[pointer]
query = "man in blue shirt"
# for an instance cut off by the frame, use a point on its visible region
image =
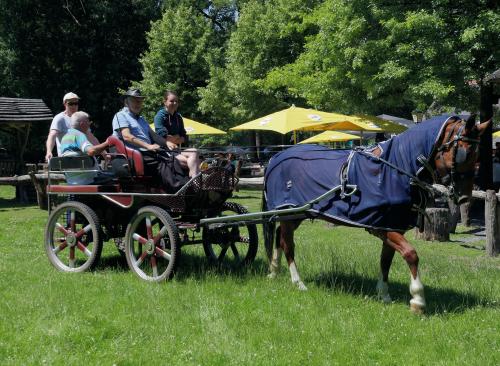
(130, 126)
(76, 143)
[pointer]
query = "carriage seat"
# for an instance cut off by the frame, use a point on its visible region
(134, 157)
(79, 170)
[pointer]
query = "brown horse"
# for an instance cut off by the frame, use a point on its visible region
(450, 162)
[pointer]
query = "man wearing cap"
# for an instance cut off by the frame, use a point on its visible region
(61, 123)
(130, 126)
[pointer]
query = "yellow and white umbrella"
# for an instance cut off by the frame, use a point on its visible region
(290, 119)
(197, 128)
(330, 136)
(496, 134)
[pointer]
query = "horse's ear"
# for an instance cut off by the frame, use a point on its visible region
(471, 122)
(483, 126)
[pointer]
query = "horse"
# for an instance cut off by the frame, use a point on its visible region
(383, 189)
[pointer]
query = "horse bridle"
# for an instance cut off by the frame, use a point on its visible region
(459, 156)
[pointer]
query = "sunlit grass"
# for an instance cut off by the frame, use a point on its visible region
(208, 316)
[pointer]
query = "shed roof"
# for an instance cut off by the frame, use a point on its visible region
(21, 111)
(494, 77)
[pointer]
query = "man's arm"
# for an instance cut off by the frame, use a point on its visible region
(90, 136)
(96, 149)
(51, 140)
(131, 139)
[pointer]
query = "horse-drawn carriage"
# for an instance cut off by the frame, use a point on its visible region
(148, 225)
(380, 189)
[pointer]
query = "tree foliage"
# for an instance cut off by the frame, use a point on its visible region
(379, 56)
(89, 47)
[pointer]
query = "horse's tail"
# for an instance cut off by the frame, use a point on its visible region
(268, 228)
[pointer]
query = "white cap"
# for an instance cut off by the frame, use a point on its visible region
(70, 95)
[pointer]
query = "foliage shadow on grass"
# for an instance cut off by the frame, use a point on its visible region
(439, 300)
(7, 205)
(198, 267)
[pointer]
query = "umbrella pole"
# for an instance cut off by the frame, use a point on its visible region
(295, 137)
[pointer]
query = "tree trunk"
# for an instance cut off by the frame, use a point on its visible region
(437, 228)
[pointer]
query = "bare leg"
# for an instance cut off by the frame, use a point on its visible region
(399, 243)
(288, 246)
(189, 158)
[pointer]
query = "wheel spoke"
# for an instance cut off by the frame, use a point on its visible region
(85, 230)
(72, 257)
(154, 266)
(139, 238)
(72, 223)
(160, 235)
(162, 253)
(61, 228)
(149, 228)
(84, 249)
(60, 247)
(141, 258)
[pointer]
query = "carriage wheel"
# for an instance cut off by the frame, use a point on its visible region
(232, 244)
(72, 237)
(152, 244)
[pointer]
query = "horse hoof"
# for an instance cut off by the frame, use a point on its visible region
(386, 299)
(271, 275)
(416, 308)
(301, 286)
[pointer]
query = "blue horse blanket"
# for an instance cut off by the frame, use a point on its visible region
(385, 198)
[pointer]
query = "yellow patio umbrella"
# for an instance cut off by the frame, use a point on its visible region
(290, 119)
(353, 124)
(330, 136)
(496, 134)
(385, 125)
(196, 128)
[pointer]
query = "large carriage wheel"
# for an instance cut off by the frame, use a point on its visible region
(152, 244)
(72, 237)
(237, 244)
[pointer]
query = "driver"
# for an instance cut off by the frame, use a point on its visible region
(159, 160)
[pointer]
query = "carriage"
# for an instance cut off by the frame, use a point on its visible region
(380, 189)
(148, 225)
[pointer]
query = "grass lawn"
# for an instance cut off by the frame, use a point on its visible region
(206, 316)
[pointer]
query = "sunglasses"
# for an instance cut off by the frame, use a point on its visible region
(72, 103)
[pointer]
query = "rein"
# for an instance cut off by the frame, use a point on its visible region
(459, 156)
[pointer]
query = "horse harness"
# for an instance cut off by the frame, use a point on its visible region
(426, 191)
(459, 156)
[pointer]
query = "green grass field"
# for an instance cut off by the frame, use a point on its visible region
(206, 316)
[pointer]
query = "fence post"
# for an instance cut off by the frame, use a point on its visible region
(492, 223)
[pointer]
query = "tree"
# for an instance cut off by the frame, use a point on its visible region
(89, 47)
(268, 34)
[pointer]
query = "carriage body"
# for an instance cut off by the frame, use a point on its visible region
(148, 225)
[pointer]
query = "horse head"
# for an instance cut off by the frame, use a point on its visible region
(457, 154)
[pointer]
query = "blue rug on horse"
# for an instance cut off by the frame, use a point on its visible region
(385, 197)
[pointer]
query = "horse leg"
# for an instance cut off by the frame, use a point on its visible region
(386, 257)
(399, 243)
(274, 264)
(288, 246)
